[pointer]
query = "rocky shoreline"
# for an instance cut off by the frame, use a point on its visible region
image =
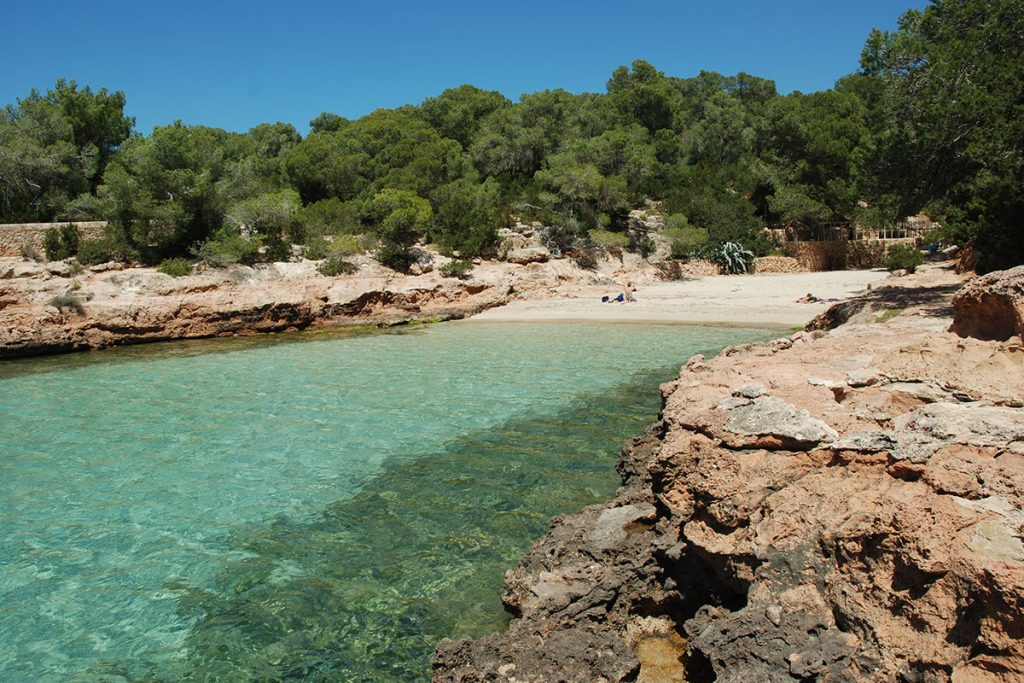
(832, 506)
(44, 308)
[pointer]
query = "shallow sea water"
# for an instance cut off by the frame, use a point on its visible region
(307, 507)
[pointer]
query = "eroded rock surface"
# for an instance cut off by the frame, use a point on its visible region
(837, 507)
(49, 308)
(991, 306)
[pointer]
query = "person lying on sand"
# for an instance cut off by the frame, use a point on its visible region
(811, 299)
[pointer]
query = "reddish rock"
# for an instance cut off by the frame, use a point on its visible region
(842, 507)
(991, 306)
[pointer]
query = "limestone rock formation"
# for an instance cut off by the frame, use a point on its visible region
(832, 507)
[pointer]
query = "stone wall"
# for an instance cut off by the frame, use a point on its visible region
(841, 254)
(14, 236)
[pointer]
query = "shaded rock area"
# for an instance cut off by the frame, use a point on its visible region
(824, 507)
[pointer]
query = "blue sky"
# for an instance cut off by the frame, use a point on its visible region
(236, 64)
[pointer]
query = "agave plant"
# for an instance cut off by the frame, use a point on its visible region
(732, 258)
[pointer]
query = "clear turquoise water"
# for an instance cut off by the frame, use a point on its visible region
(317, 507)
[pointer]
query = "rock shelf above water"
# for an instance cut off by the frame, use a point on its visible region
(840, 506)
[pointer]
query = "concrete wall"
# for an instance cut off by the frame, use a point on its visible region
(841, 254)
(13, 236)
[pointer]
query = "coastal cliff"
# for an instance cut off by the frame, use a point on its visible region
(840, 505)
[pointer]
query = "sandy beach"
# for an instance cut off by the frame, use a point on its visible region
(767, 300)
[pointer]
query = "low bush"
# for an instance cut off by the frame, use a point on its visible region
(104, 249)
(606, 239)
(903, 257)
(226, 248)
(457, 269)
(395, 257)
(61, 243)
(67, 301)
(317, 248)
(685, 237)
(175, 267)
(336, 265)
(28, 252)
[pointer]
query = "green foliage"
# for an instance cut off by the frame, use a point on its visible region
(685, 237)
(457, 269)
(387, 149)
(326, 217)
(28, 252)
(954, 127)
(52, 246)
(227, 247)
(336, 265)
(61, 242)
(456, 113)
(606, 239)
(105, 249)
(578, 192)
(395, 257)
(323, 247)
(933, 119)
(175, 267)
(55, 147)
(732, 258)
(644, 95)
(399, 215)
(466, 216)
(903, 257)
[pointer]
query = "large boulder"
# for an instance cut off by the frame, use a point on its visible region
(991, 306)
(528, 255)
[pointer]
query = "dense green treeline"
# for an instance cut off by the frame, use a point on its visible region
(932, 121)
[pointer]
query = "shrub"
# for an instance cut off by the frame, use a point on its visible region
(395, 257)
(70, 239)
(60, 243)
(225, 248)
(458, 269)
(108, 248)
(67, 301)
(325, 247)
(175, 267)
(903, 257)
(317, 248)
(326, 217)
(28, 252)
(336, 265)
(732, 258)
(685, 237)
(606, 239)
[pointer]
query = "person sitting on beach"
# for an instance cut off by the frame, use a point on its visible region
(626, 295)
(630, 291)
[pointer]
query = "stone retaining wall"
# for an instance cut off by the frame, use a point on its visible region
(14, 236)
(841, 254)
